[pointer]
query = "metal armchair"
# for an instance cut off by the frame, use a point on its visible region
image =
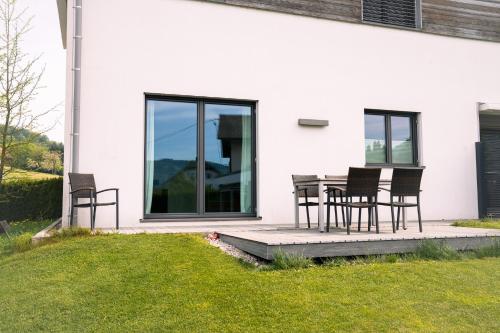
(405, 183)
(307, 192)
(362, 183)
(83, 187)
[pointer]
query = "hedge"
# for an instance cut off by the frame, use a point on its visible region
(31, 199)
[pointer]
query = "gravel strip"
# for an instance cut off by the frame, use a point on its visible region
(214, 240)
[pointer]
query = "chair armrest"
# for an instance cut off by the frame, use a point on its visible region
(82, 189)
(335, 188)
(106, 190)
(384, 189)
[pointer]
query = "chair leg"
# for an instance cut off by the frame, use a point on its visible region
(91, 217)
(335, 208)
(308, 218)
(370, 218)
(72, 212)
(359, 215)
(399, 214)
(350, 212)
(342, 209)
(95, 211)
(328, 212)
(349, 216)
(377, 226)
(419, 214)
(392, 219)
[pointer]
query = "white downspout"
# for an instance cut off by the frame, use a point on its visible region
(75, 90)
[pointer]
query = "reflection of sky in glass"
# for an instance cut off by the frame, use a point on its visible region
(400, 127)
(175, 130)
(374, 127)
(213, 149)
(402, 150)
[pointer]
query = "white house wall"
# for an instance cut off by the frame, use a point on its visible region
(296, 67)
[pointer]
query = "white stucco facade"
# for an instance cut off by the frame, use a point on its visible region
(295, 67)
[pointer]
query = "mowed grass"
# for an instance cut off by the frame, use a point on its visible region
(486, 223)
(18, 174)
(178, 283)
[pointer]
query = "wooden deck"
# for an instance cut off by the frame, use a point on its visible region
(313, 244)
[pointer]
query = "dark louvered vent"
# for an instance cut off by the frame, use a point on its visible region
(402, 13)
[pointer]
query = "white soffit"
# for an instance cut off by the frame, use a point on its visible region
(62, 7)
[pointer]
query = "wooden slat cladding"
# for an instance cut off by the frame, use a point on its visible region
(342, 10)
(476, 19)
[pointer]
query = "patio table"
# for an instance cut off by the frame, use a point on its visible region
(340, 181)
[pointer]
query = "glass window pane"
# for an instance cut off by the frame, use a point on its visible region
(171, 153)
(375, 145)
(402, 145)
(228, 158)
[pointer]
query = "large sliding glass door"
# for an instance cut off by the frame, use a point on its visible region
(199, 158)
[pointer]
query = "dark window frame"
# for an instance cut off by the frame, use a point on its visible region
(201, 214)
(388, 137)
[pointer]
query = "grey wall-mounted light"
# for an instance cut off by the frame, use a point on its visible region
(313, 122)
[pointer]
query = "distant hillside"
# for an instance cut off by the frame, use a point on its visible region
(167, 168)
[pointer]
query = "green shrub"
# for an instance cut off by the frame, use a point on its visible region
(284, 260)
(22, 242)
(31, 199)
(434, 250)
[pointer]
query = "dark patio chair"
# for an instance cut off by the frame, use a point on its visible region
(405, 183)
(334, 193)
(83, 187)
(361, 183)
(307, 192)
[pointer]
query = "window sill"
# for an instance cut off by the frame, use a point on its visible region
(200, 219)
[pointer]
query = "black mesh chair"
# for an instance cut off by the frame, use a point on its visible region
(307, 192)
(405, 183)
(361, 183)
(83, 187)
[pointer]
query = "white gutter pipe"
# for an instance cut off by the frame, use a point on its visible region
(75, 87)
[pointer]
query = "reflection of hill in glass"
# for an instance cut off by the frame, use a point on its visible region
(402, 152)
(174, 189)
(375, 152)
(168, 171)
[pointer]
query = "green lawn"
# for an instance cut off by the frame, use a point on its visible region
(18, 174)
(20, 227)
(178, 283)
(487, 224)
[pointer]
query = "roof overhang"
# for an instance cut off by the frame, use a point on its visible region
(62, 7)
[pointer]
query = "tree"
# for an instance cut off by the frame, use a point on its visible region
(20, 78)
(51, 162)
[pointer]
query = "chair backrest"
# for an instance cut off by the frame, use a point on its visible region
(79, 181)
(312, 190)
(363, 182)
(406, 181)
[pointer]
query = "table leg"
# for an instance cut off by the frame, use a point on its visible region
(404, 215)
(321, 200)
(296, 199)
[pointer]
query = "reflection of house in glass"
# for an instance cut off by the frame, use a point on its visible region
(223, 189)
